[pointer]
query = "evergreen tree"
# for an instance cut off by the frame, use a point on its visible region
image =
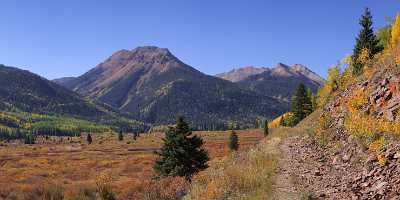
(135, 135)
(29, 138)
(301, 105)
(233, 141)
(120, 136)
(89, 139)
(182, 154)
(266, 131)
(366, 40)
(311, 99)
(314, 102)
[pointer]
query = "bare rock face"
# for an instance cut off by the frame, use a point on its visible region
(386, 97)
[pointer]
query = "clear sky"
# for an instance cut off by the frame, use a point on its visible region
(57, 38)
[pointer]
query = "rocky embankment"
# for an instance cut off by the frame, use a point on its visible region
(340, 165)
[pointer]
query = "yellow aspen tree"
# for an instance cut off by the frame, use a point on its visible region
(395, 39)
(395, 34)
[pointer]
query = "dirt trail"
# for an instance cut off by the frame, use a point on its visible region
(284, 188)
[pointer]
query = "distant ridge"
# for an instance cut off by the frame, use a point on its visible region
(279, 81)
(239, 74)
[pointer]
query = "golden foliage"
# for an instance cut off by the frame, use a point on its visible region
(382, 159)
(331, 85)
(357, 100)
(376, 146)
(276, 122)
(363, 57)
(347, 60)
(395, 33)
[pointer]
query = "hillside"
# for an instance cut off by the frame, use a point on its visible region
(25, 93)
(154, 86)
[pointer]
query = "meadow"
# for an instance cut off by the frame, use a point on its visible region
(72, 166)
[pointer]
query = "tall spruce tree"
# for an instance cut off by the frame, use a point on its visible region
(301, 104)
(233, 141)
(366, 40)
(182, 154)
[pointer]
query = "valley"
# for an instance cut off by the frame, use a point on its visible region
(70, 165)
(142, 124)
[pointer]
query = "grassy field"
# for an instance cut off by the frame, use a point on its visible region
(71, 164)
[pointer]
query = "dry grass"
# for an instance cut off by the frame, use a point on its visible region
(245, 175)
(73, 165)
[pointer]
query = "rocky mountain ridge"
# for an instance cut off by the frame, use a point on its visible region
(281, 81)
(280, 69)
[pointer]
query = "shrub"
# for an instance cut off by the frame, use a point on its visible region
(104, 188)
(120, 136)
(233, 141)
(266, 128)
(89, 138)
(168, 188)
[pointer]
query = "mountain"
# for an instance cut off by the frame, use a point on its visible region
(155, 86)
(278, 82)
(23, 91)
(66, 81)
(240, 74)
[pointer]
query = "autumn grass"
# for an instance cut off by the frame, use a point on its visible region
(75, 166)
(245, 175)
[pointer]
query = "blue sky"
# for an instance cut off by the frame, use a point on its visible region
(67, 38)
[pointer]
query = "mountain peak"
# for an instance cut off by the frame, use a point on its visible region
(281, 65)
(239, 74)
(152, 49)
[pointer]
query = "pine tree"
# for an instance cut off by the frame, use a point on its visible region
(309, 107)
(120, 136)
(366, 40)
(135, 135)
(29, 138)
(266, 131)
(182, 154)
(314, 102)
(301, 105)
(89, 139)
(233, 141)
